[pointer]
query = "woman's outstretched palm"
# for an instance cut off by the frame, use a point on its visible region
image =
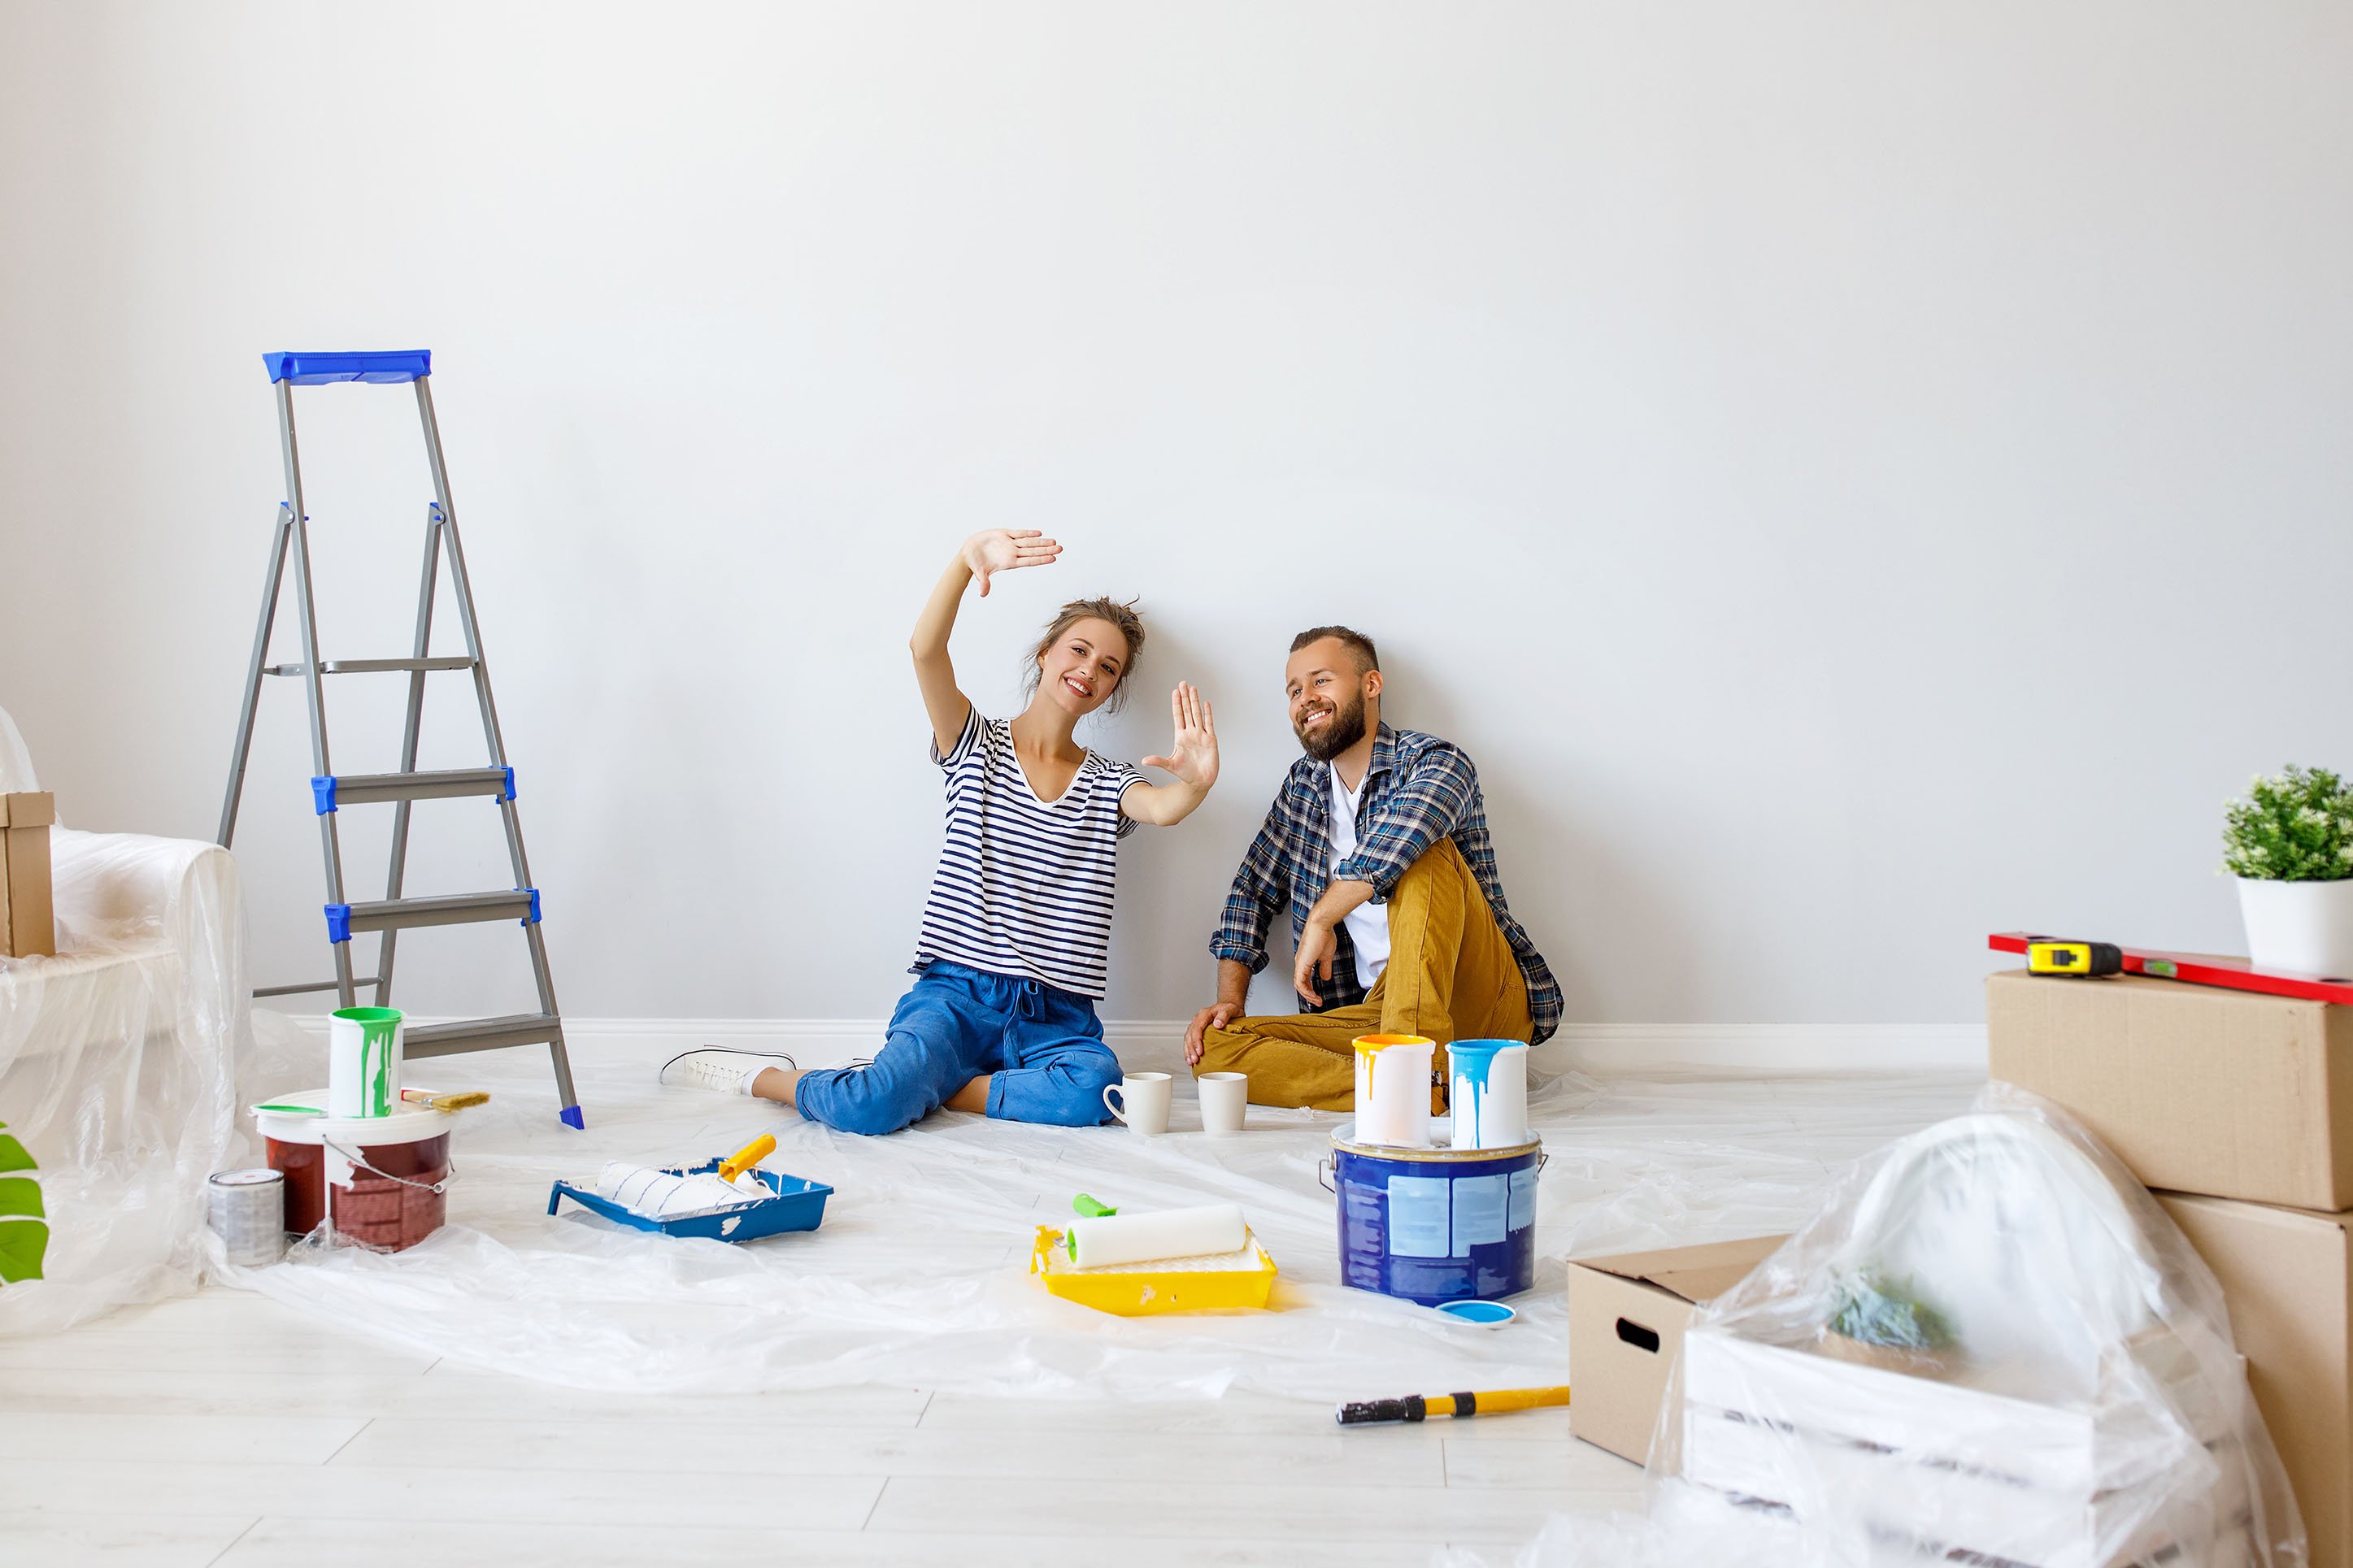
(994, 550)
(1193, 755)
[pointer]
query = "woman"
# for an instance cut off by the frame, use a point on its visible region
(1016, 938)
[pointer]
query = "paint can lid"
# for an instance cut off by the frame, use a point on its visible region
(1480, 1314)
(255, 1178)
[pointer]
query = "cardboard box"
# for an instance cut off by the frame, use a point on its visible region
(28, 924)
(2197, 1088)
(2288, 1276)
(1626, 1320)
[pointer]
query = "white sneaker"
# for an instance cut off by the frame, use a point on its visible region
(720, 1069)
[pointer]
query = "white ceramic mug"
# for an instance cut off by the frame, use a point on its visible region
(1223, 1096)
(1143, 1101)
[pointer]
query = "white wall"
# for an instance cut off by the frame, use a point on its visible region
(1854, 476)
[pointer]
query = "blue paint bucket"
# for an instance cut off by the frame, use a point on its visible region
(1436, 1224)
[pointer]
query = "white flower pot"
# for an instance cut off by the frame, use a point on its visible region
(2305, 928)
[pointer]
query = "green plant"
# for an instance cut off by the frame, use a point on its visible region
(24, 1227)
(1873, 1309)
(2294, 827)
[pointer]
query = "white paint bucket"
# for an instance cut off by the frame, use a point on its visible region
(1488, 1093)
(364, 1048)
(1393, 1090)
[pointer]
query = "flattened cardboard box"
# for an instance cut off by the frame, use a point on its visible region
(1626, 1320)
(2198, 1089)
(28, 924)
(2288, 1275)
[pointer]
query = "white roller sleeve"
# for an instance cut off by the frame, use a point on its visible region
(658, 1194)
(1112, 1240)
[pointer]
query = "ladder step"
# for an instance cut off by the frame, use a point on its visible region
(454, 908)
(363, 789)
(482, 1035)
(371, 666)
(300, 990)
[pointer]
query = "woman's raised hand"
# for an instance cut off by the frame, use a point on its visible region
(994, 550)
(1193, 755)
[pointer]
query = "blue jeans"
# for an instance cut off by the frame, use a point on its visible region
(1042, 1048)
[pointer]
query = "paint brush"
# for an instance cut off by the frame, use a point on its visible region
(1417, 1408)
(444, 1101)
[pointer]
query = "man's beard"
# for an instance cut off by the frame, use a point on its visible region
(1346, 728)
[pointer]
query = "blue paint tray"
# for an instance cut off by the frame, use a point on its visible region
(797, 1204)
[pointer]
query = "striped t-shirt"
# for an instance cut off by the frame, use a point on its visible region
(1024, 885)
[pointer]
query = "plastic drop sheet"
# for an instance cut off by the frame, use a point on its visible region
(919, 1274)
(118, 1067)
(1988, 1345)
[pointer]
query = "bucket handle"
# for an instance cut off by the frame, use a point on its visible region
(435, 1188)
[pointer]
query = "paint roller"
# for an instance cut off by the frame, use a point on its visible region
(658, 1194)
(1103, 1238)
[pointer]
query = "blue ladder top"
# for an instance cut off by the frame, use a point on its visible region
(318, 369)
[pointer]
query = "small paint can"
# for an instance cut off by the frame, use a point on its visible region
(1436, 1224)
(246, 1209)
(364, 1052)
(1489, 1084)
(1393, 1090)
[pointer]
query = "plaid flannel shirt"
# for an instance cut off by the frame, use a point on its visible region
(1417, 788)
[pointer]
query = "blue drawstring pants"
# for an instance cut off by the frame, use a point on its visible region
(1041, 1048)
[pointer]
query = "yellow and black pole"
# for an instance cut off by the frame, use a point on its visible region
(1420, 1408)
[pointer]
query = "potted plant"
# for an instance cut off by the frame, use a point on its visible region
(2290, 845)
(1883, 1323)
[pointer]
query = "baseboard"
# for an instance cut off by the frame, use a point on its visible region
(1603, 1047)
(1774, 1047)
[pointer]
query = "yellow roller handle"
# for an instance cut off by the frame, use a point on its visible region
(1501, 1399)
(1421, 1407)
(749, 1155)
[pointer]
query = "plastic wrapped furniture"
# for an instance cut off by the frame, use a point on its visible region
(1990, 1345)
(118, 1061)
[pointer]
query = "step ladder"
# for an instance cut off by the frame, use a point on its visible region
(331, 792)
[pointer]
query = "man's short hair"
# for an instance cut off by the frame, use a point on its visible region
(1356, 643)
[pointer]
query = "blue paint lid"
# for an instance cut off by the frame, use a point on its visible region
(1485, 1314)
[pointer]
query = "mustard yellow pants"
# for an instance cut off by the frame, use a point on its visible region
(1451, 976)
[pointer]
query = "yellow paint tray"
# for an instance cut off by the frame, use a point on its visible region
(1143, 1291)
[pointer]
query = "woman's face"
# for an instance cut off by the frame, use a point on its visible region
(1081, 669)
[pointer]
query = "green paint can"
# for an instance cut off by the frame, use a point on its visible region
(364, 1062)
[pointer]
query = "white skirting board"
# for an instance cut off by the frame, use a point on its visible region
(1607, 1048)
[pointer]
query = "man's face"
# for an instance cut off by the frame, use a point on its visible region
(1327, 695)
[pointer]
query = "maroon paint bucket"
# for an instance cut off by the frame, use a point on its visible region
(382, 1180)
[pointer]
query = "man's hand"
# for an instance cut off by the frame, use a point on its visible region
(1217, 1016)
(1317, 948)
(994, 550)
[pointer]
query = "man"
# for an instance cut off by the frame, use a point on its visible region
(1378, 842)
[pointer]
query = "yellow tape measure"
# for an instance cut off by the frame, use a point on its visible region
(2077, 958)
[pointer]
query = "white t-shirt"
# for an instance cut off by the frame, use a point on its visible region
(1368, 923)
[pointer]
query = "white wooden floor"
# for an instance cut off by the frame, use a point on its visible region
(225, 1429)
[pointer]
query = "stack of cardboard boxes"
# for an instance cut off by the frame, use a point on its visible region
(2237, 1110)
